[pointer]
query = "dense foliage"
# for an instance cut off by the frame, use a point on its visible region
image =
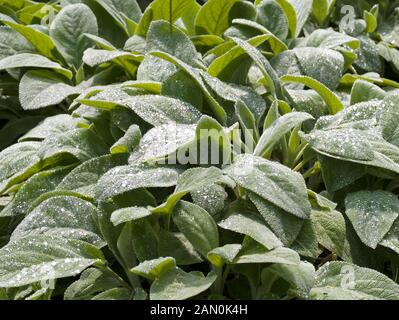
(97, 94)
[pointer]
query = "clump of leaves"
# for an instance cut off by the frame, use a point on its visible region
(97, 94)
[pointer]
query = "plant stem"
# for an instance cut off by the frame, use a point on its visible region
(170, 13)
(299, 166)
(113, 274)
(226, 274)
(298, 156)
(218, 286)
(313, 170)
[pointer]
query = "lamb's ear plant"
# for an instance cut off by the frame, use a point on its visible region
(104, 102)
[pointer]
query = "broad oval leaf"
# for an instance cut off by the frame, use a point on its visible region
(213, 17)
(344, 281)
(256, 253)
(272, 181)
(161, 9)
(372, 214)
(122, 179)
(197, 225)
(278, 129)
(40, 258)
(300, 277)
(41, 41)
(66, 217)
(251, 225)
(82, 144)
(323, 65)
(164, 37)
(330, 39)
(40, 89)
(283, 224)
(51, 126)
(162, 141)
(16, 160)
(68, 29)
(13, 43)
(190, 180)
(30, 60)
(158, 110)
(34, 187)
(271, 15)
(84, 178)
(176, 284)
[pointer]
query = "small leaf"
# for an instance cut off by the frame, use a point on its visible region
(344, 281)
(278, 129)
(256, 253)
(368, 58)
(176, 245)
(263, 64)
(154, 269)
(221, 66)
(306, 243)
(225, 254)
(114, 294)
(330, 39)
(285, 225)
(330, 230)
(30, 60)
(372, 214)
(197, 225)
(176, 284)
(331, 99)
(275, 43)
(363, 91)
(321, 10)
(91, 282)
(211, 197)
(195, 74)
(144, 239)
(249, 224)
(128, 142)
(190, 180)
(127, 60)
(122, 10)
(300, 277)
(303, 9)
(129, 214)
